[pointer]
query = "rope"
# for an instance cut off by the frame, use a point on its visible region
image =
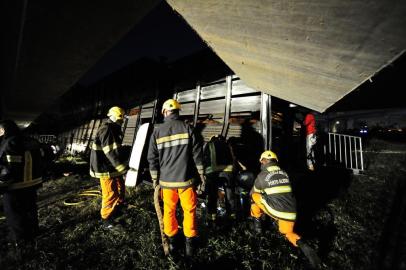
(88, 193)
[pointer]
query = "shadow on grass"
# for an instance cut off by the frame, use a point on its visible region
(313, 192)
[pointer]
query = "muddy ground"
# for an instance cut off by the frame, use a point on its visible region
(353, 221)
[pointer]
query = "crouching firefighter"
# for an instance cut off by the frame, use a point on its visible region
(272, 195)
(219, 171)
(20, 176)
(108, 162)
(174, 155)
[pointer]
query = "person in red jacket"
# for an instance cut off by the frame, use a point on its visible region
(311, 139)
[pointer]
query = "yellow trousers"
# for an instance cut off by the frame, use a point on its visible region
(113, 191)
(188, 201)
(285, 227)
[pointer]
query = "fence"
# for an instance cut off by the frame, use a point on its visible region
(346, 150)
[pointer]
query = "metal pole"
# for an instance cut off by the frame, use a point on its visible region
(339, 145)
(335, 147)
(137, 123)
(329, 143)
(362, 160)
(345, 150)
(197, 104)
(227, 107)
(350, 139)
(356, 160)
(266, 120)
(154, 111)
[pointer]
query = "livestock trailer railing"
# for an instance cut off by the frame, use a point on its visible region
(346, 150)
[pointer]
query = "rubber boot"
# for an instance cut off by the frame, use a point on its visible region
(173, 250)
(212, 221)
(189, 247)
(256, 222)
(309, 253)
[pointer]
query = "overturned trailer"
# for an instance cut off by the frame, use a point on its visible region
(254, 120)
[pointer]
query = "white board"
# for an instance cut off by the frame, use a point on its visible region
(136, 154)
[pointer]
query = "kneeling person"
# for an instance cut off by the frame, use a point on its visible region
(272, 195)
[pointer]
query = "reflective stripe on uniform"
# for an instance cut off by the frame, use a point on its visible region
(27, 166)
(96, 147)
(219, 168)
(120, 168)
(154, 174)
(176, 184)
(273, 168)
(279, 189)
(278, 214)
(105, 174)
(172, 138)
(110, 147)
(257, 190)
(208, 170)
(15, 159)
(173, 143)
(224, 168)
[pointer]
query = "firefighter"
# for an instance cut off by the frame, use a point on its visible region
(311, 139)
(20, 176)
(272, 195)
(175, 158)
(108, 162)
(219, 171)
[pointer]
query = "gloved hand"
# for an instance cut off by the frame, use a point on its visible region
(202, 186)
(155, 182)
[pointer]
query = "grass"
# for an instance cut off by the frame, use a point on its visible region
(347, 230)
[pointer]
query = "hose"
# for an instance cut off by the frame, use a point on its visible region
(89, 193)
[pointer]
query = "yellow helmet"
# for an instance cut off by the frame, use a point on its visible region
(170, 104)
(268, 154)
(117, 112)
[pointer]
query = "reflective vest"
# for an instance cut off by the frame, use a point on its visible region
(217, 157)
(107, 157)
(274, 186)
(174, 154)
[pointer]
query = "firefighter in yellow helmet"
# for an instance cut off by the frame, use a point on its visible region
(175, 156)
(109, 163)
(272, 195)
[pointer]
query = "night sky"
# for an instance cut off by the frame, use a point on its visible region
(161, 34)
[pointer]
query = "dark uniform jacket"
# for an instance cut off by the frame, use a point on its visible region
(174, 154)
(20, 163)
(217, 157)
(274, 185)
(107, 158)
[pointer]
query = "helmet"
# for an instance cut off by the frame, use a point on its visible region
(245, 179)
(117, 112)
(170, 104)
(268, 154)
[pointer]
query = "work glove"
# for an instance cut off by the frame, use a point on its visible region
(155, 182)
(202, 186)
